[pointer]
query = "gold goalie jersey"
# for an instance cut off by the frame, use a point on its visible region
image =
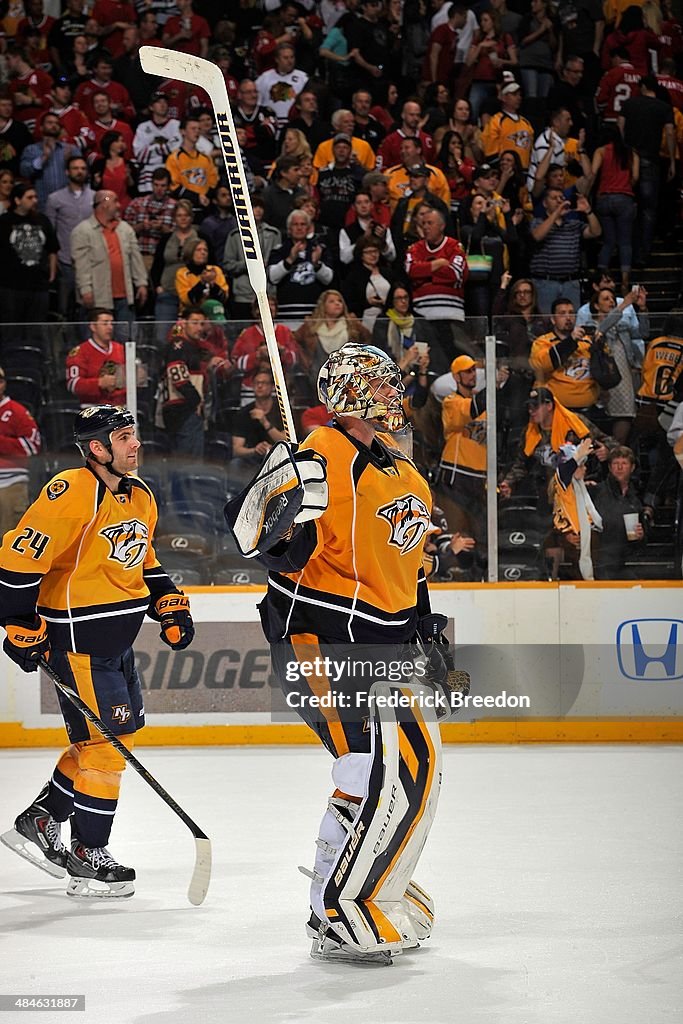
(84, 557)
(360, 580)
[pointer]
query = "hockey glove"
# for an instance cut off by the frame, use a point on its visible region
(26, 642)
(289, 488)
(436, 650)
(177, 628)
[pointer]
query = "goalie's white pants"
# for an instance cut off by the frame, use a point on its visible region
(367, 851)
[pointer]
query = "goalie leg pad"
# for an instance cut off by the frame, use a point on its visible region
(363, 896)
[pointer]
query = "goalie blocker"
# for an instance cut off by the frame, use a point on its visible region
(290, 488)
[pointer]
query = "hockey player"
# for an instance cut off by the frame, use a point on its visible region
(77, 576)
(346, 576)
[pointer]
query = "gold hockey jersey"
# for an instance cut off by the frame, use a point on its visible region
(84, 557)
(360, 581)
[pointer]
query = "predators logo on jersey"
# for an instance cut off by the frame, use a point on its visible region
(128, 542)
(408, 518)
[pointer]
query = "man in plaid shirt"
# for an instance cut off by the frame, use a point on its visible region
(151, 215)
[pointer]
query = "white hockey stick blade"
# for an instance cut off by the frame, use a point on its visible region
(184, 67)
(201, 877)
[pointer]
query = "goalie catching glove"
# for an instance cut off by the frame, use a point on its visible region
(435, 648)
(289, 488)
(26, 642)
(173, 613)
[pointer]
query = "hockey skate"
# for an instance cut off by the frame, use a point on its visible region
(37, 837)
(95, 873)
(329, 948)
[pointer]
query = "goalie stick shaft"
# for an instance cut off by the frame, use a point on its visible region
(201, 839)
(156, 60)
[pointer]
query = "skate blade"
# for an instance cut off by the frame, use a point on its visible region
(24, 847)
(346, 955)
(91, 888)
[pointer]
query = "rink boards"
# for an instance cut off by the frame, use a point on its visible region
(549, 663)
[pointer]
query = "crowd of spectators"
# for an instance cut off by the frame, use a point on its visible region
(422, 174)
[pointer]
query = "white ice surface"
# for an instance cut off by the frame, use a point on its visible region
(556, 872)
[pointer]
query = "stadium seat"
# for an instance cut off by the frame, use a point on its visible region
(56, 422)
(25, 390)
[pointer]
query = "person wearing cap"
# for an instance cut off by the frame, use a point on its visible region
(76, 128)
(550, 426)
(508, 129)
(19, 439)
(402, 226)
(154, 140)
(462, 468)
(338, 184)
(343, 124)
(399, 181)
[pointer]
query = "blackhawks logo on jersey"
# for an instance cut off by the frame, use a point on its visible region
(408, 518)
(128, 542)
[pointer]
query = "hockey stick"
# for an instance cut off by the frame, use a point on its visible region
(184, 67)
(201, 876)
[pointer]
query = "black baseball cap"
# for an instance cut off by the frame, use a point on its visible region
(539, 396)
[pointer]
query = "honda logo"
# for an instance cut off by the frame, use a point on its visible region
(651, 650)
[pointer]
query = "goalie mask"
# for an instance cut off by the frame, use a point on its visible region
(350, 384)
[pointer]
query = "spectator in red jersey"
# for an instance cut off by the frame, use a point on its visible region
(19, 439)
(28, 86)
(437, 269)
(37, 20)
(111, 170)
(458, 168)
(188, 32)
(95, 370)
(389, 153)
(76, 129)
(113, 16)
(636, 39)
(250, 352)
(617, 85)
(102, 81)
(105, 122)
(440, 56)
(668, 79)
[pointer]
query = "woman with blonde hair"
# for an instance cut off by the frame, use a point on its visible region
(329, 326)
(168, 258)
(295, 143)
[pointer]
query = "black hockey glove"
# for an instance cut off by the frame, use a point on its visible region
(436, 649)
(26, 642)
(177, 628)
